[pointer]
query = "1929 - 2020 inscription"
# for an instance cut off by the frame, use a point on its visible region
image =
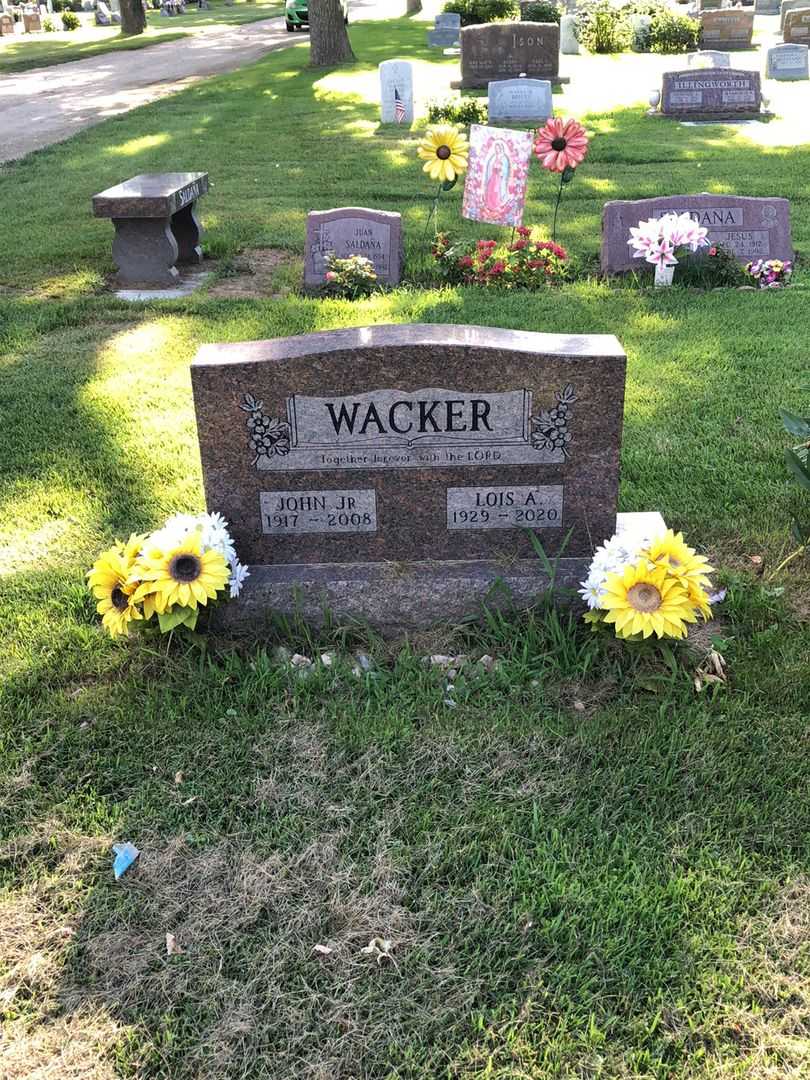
(512, 507)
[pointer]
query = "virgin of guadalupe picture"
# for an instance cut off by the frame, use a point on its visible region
(495, 188)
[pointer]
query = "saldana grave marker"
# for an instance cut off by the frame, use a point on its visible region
(395, 473)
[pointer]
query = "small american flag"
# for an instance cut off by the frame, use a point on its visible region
(399, 107)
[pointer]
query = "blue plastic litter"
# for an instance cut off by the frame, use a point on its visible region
(125, 856)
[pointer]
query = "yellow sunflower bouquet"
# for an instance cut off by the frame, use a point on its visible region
(659, 587)
(169, 574)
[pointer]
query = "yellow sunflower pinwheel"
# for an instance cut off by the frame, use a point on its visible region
(444, 151)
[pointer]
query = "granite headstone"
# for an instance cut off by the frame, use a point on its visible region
(751, 227)
(766, 7)
(788, 62)
(519, 99)
(727, 29)
(796, 30)
(709, 58)
(506, 50)
(354, 230)
(722, 94)
(395, 473)
(442, 38)
(448, 20)
(396, 83)
(787, 6)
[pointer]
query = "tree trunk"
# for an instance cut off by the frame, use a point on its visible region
(133, 17)
(328, 38)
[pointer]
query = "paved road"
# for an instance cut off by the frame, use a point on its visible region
(47, 105)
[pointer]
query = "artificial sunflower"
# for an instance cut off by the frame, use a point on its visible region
(672, 551)
(184, 575)
(444, 151)
(645, 599)
(561, 144)
(111, 584)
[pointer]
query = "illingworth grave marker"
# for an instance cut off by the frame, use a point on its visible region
(395, 473)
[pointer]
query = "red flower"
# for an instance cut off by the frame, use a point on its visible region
(561, 143)
(519, 245)
(497, 267)
(465, 261)
(524, 231)
(546, 247)
(713, 251)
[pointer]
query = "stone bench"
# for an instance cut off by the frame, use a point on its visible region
(155, 225)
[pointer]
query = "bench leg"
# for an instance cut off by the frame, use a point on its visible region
(187, 232)
(145, 251)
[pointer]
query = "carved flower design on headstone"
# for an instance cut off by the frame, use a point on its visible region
(550, 427)
(267, 435)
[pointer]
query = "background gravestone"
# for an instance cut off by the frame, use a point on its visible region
(797, 26)
(506, 50)
(709, 58)
(752, 227)
(724, 93)
(396, 78)
(786, 6)
(446, 30)
(569, 42)
(766, 7)
(394, 472)
(519, 99)
(353, 230)
(788, 62)
(727, 29)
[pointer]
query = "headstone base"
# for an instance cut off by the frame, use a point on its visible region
(394, 598)
(713, 117)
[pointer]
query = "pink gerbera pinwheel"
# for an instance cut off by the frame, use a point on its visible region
(561, 144)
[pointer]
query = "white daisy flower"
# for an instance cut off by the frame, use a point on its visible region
(238, 575)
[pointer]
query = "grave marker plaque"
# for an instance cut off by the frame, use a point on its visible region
(354, 230)
(396, 89)
(752, 227)
(496, 51)
(788, 62)
(519, 99)
(721, 94)
(395, 472)
(709, 58)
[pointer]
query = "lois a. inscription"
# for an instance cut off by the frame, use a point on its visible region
(394, 429)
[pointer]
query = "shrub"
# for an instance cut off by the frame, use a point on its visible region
(541, 11)
(670, 33)
(349, 278)
(466, 110)
(70, 21)
(523, 264)
(710, 268)
(47, 26)
(483, 11)
(603, 28)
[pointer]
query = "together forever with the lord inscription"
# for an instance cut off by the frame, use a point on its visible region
(430, 449)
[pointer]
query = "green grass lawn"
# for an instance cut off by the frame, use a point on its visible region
(45, 50)
(585, 869)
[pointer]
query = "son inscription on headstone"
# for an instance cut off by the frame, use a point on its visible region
(396, 472)
(506, 50)
(353, 230)
(724, 93)
(751, 227)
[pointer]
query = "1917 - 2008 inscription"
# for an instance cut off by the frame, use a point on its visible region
(286, 512)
